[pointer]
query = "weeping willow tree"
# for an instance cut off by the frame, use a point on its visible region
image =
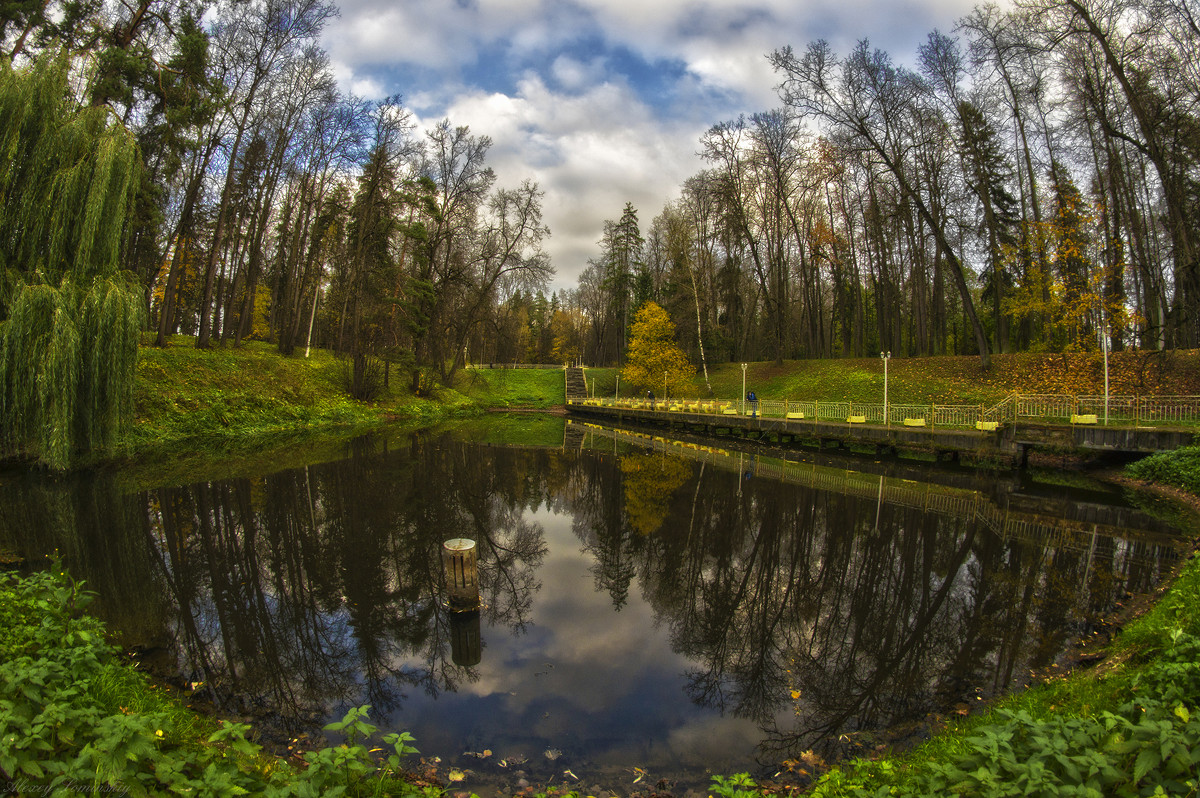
(69, 319)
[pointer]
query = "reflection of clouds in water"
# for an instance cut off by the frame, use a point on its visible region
(326, 592)
(705, 740)
(574, 628)
(583, 676)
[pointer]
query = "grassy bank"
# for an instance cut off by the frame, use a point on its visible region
(530, 389)
(185, 395)
(213, 404)
(945, 380)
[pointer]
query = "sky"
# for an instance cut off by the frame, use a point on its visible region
(601, 102)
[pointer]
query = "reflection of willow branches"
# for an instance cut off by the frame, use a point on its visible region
(98, 534)
(247, 629)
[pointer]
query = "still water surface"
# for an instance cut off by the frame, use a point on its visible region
(645, 604)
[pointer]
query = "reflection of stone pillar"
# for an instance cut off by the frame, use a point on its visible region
(462, 575)
(466, 642)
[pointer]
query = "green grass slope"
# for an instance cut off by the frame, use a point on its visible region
(228, 398)
(960, 380)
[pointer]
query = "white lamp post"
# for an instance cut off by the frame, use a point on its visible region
(664, 386)
(744, 388)
(617, 392)
(885, 357)
(1104, 341)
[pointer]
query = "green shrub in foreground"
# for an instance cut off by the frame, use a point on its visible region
(1148, 746)
(57, 737)
(1179, 468)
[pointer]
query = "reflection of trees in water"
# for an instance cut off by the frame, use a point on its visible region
(324, 584)
(99, 534)
(875, 613)
(650, 480)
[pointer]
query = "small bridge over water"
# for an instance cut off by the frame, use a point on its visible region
(1008, 430)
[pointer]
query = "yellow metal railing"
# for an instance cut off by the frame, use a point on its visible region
(1061, 408)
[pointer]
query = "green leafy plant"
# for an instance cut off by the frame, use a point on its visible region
(60, 729)
(1179, 468)
(737, 786)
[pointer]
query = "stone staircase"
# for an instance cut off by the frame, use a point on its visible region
(576, 384)
(573, 436)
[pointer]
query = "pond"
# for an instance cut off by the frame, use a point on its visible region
(651, 610)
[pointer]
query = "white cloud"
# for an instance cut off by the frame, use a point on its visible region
(575, 75)
(591, 152)
(566, 119)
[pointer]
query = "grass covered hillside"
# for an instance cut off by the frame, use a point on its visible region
(233, 397)
(228, 398)
(945, 380)
(186, 394)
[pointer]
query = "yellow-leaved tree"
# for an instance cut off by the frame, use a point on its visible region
(654, 360)
(650, 482)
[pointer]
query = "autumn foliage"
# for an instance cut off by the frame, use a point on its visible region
(655, 360)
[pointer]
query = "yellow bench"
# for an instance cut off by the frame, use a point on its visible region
(914, 422)
(795, 414)
(730, 411)
(857, 419)
(1086, 418)
(987, 426)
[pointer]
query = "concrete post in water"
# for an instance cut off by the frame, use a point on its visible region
(462, 574)
(466, 642)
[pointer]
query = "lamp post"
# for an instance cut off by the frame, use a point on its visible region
(885, 357)
(744, 388)
(617, 392)
(1104, 343)
(664, 386)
